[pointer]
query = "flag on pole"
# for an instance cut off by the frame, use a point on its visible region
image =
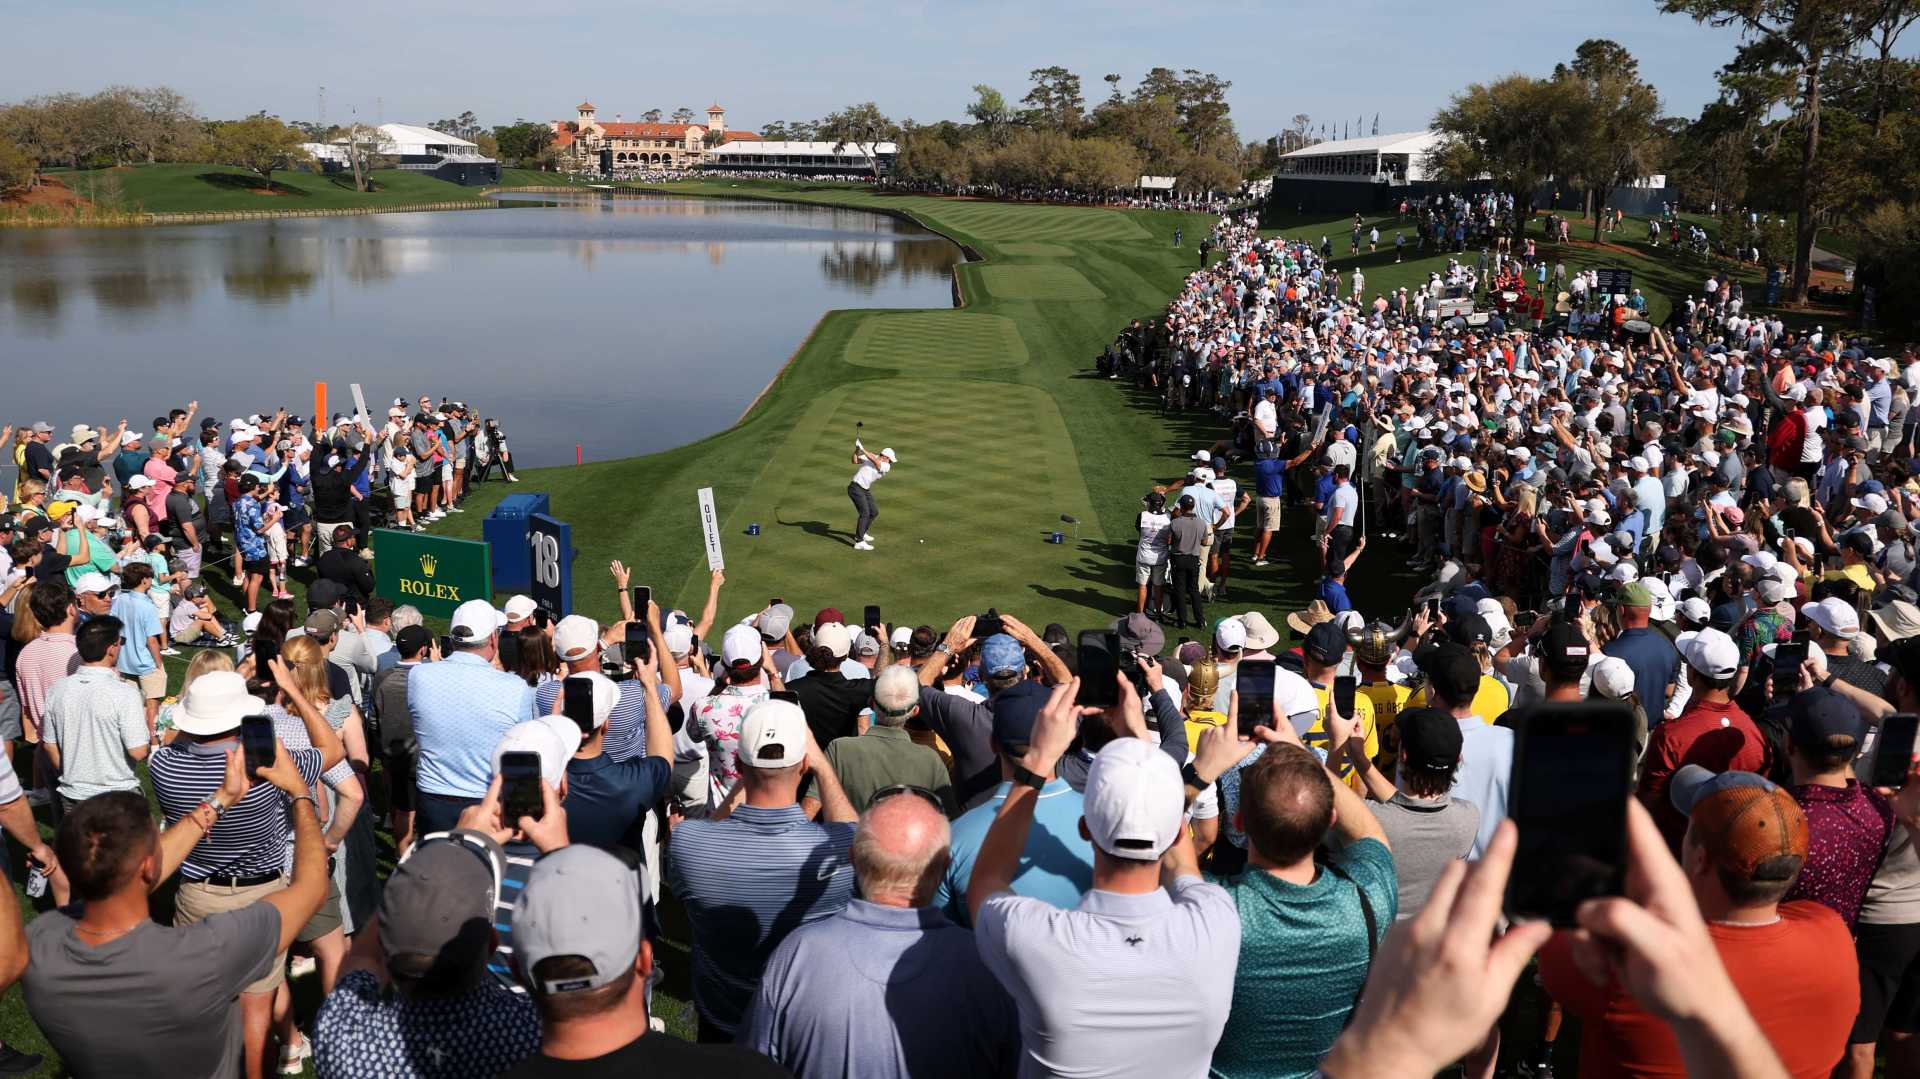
(1376, 123)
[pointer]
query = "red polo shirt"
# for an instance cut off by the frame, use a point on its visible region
(1718, 737)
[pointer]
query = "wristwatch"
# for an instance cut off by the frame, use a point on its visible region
(1191, 776)
(943, 648)
(1024, 776)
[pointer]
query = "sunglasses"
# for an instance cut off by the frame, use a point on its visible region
(885, 793)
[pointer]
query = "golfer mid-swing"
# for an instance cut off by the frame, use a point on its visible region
(872, 467)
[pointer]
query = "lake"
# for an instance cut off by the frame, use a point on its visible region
(624, 324)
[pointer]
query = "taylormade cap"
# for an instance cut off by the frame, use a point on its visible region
(1133, 800)
(519, 608)
(774, 735)
(580, 902)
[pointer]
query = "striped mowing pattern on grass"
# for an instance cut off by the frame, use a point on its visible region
(1038, 251)
(1039, 281)
(1002, 221)
(980, 480)
(937, 342)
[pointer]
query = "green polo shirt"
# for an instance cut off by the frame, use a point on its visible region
(886, 757)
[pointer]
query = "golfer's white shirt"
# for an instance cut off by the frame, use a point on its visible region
(867, 474)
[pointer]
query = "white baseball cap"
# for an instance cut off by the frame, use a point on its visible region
(833, 637)
(1602, 552)
(1231, 634)
(741, 647)
(142, 481)
(774, 735)
(1874, 504)
(1636, 464)
(576, 637)
(547, 737)
(606, 694)
(890, 455)
(1663, 605)
(1773, 590)
(93, 584)
(902, 636)
(1834, 615)
(474, 621)
(1696, 610)
(1134, 800)
(519, 608)
(1713, 654)
(679, 639)
(1612, 678)
(1760, 560)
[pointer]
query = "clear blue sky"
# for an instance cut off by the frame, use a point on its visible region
(418, 60)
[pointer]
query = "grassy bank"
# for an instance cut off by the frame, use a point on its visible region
(195, 188)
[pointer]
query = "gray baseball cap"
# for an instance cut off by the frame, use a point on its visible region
(774, 622)
(584, 902)
(439, 901)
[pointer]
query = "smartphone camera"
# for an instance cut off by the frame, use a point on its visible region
(520, 794)
(257, 742)
(1572, 775)
(1099, 664)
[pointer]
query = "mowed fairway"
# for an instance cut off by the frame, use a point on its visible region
(1000, 427)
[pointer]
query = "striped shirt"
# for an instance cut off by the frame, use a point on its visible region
(45, 660)
(520, 858)
(292, 733)
(251, 837)
(626, 725)
(747, 882)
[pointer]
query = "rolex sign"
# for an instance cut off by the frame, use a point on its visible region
(432, 573)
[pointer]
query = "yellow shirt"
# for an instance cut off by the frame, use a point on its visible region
(1389, 700)
(1363, 715)
(1855, 574)
(1490, 701)
(1199, 722)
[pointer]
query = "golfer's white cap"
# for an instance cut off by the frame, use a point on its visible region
(890, 455)
(1134, 799)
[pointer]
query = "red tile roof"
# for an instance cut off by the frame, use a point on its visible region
(562, 139)
(585, 106)
(646, 131)
(714, 109)
(739, 136)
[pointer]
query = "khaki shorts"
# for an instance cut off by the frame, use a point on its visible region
(197, 901)
(1269, 514)
(153, 684)
(326, 919)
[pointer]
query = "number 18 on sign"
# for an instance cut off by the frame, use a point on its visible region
(550, 550)
(710, 525)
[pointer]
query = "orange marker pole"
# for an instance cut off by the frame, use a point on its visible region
(319, 407)
(578, 457)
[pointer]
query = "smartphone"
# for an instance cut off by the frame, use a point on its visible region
(784, 695)
(1524, 620)
(988, 624)
(1787, 659)
(1433, 606)
(1343, 690)
(257, 741)
(639, 643)
(446, 645)
(871, 617)
(1253, 681)
(1099, 664)
(576, 702)
(542, 617)
(1802, 635)
(520, 787)
(1572, 775)
(1893, 750)
(642, 595)
(265, 651)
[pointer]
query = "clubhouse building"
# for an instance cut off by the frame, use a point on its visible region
(592, 144)
(416, 149)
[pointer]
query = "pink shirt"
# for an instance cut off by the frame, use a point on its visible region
(45, 660)
(162, 474)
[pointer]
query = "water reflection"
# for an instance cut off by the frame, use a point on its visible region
(623, 324)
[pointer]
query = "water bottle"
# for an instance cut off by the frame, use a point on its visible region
(36, 882)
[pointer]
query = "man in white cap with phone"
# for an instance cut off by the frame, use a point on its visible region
(872, 466)
(1149, 922)
(461, 706)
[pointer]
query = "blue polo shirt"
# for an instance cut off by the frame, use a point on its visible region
(461, 706)
(1056, 866)
(747, 883)
(606, 798)
(1654, 661)
(1334, 595)
(1270, 477)
(140, 621)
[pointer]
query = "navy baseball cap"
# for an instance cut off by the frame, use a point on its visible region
(1015, 711)
(1817, 714)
